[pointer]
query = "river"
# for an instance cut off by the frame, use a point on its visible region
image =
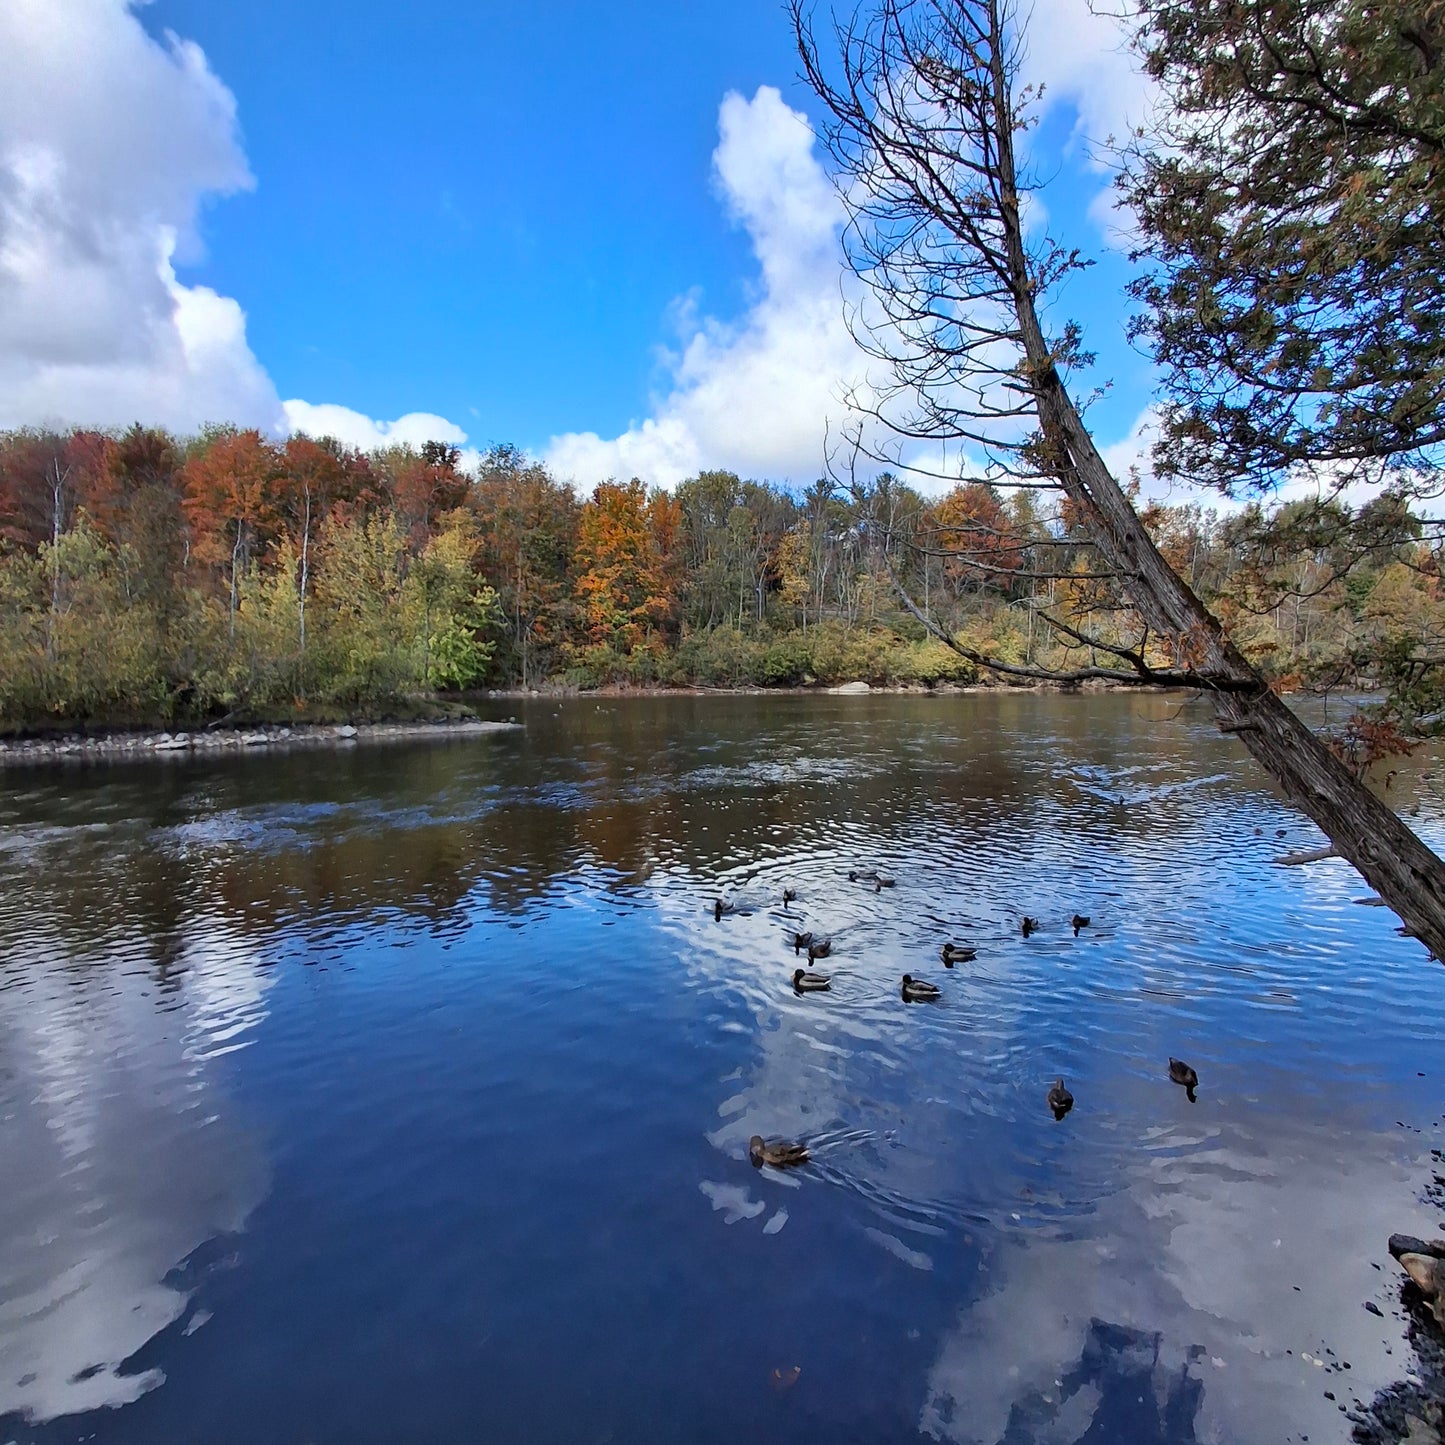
(404, 1094)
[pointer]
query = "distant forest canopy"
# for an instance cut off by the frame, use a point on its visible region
(150, 578)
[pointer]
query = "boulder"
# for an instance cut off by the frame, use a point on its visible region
(1427, 1270)
(1409, 1244)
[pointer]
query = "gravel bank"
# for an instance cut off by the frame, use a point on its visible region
(123, 747)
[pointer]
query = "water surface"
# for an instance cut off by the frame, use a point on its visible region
(404, 1093)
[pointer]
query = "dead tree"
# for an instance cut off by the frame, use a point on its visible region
(924, 114)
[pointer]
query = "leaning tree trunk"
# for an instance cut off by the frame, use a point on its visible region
(1401, 869)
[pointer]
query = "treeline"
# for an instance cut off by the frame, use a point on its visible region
(145, 577)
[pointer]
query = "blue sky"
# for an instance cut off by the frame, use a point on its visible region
(601, 233)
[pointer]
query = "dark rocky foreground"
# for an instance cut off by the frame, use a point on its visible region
(1411, 1412)
(133, 746)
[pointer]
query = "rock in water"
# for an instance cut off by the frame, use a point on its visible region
(1409, 1244)
(1428, 1273)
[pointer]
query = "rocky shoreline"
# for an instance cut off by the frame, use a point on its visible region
(137, 746)
(554, 691)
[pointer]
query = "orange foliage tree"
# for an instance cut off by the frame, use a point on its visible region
(232, 499)
(972, 526)
(627, 583)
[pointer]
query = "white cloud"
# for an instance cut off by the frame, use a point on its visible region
(1082, 56)
(1133, 451)
(110, 141)
(752, 395)
(756, 395)
(110, 144)
(326, 419)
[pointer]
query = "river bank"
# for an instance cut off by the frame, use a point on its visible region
(74, 747)
(844, 689)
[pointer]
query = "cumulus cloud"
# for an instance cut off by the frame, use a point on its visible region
(326, 419)
(753, 395)
(756, 395)
(110, 142)
(1081, 56)
(1083, 59)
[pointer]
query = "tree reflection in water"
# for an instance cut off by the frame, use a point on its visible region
(1120, 1390)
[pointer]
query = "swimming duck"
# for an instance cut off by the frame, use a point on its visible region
(1079, 920)
(801, 941)
(777, 1152)
(952, 953)
(918, 990)
(882, 881)
(806, 982)
(719, 908)
(1060, 1099)
(789, 894)
(862, 875)
(1029, 925)
(819, 948)
(1181, 1073)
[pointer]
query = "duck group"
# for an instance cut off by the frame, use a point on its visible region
(784, 1154)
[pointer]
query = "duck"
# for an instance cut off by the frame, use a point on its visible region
(719, 908)
(952, 953)
(882, 881)
(805, 982)
(1060, 1099)
(1079, 920)
(1029, 925)
(801, 941)
(862, 875)
(789, 894)
(778, 1152)
(819, 948)
(1181, 1073)
(918, 990)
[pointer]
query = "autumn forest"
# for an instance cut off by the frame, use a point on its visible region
(149, 578)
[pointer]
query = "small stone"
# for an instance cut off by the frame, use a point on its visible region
(346, 731)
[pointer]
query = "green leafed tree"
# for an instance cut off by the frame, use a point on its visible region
(1290, 202)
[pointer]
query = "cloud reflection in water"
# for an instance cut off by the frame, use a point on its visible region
(121, 1158)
